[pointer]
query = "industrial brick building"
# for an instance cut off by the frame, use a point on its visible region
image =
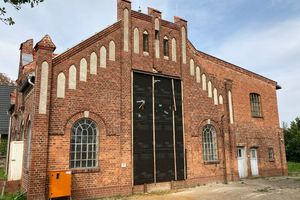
(137, 106)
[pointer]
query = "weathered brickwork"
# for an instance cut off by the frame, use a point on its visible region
(106, 98)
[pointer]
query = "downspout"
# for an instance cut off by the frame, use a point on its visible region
(29, 79)
(224, 154)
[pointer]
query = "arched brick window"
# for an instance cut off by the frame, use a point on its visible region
(84, 144)
(209, 143)
(145, 42)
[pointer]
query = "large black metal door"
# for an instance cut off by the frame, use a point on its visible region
(157, 139)
(142, 129)
(164, 146)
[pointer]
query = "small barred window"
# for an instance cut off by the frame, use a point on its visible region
(166, 47)
(84, 144)
(255, 105)
(145, 42)
(209, 142)
(271, 154)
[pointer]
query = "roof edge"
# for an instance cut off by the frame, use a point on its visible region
(233, 66)
(85, 43)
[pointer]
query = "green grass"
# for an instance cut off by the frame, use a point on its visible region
(2, 173)
(294, 167)
(15, 196)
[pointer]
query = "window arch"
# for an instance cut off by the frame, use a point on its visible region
(83, 69)
(146, 42)
(61, 84)
(136, 41)
(209, 143)
(209, 88)
(84, 144)
(103, 57)
(198, 77)
(166, 46)
(72, 77)
(112, 51)
(203, 82)
(93, 63)
(192, 67)
(174, 55)
(255, 103)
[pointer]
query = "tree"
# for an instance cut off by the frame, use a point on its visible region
(5, 80)
(292, 140)
(17, 5)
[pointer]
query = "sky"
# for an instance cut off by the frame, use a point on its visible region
(260, 35)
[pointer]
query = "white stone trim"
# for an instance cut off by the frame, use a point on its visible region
(61, 85)
(43, 88)
(72, 77)
(83, 70)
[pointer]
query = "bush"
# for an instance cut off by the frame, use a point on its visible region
(3, 146)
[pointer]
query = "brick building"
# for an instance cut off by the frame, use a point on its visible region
(137, 105)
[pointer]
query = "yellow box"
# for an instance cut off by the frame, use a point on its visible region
(59, 183)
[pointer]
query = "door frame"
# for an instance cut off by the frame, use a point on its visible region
(183, 127)
(257, 161)
(244, 148)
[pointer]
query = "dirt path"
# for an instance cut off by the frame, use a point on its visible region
(276, 188)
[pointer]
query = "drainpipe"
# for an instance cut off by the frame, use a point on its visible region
(29, 79)
(224, 149)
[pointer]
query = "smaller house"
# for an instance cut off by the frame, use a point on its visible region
(5, 91)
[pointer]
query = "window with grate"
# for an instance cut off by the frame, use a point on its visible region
(166, 47)
(84, 144)
(255, 105)
(271, 154)
(145, 42)
(209, 142)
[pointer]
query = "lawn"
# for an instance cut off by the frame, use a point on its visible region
(2, 173)
(294, 167)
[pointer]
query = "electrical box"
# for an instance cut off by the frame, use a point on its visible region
(59, 183)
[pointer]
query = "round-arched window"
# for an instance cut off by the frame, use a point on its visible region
(84, 144)
(209, 143)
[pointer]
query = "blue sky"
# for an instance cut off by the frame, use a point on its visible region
(260, 35)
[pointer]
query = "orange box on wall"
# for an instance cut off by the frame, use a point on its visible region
(60, 183)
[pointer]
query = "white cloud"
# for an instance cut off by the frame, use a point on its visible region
(272, 51)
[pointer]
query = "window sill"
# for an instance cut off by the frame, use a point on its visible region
(212, 162)
(85, 170)
(258, 117)
(273, 160)
(146, 53)
(166, 57)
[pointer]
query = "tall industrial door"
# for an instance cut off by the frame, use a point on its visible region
(15, 161)
(157, 129)
(254, 162)
(242, 163)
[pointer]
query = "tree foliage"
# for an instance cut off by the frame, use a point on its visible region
(17, 4)
(5, 80)
(292, 140)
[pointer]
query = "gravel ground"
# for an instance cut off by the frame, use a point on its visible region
(275, 188)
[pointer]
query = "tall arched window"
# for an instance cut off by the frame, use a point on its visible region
(145, 42)
(84, 144)
(209, 143)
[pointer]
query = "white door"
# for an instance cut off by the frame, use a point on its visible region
(242, 162)
(254, 162)
(15, 161)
